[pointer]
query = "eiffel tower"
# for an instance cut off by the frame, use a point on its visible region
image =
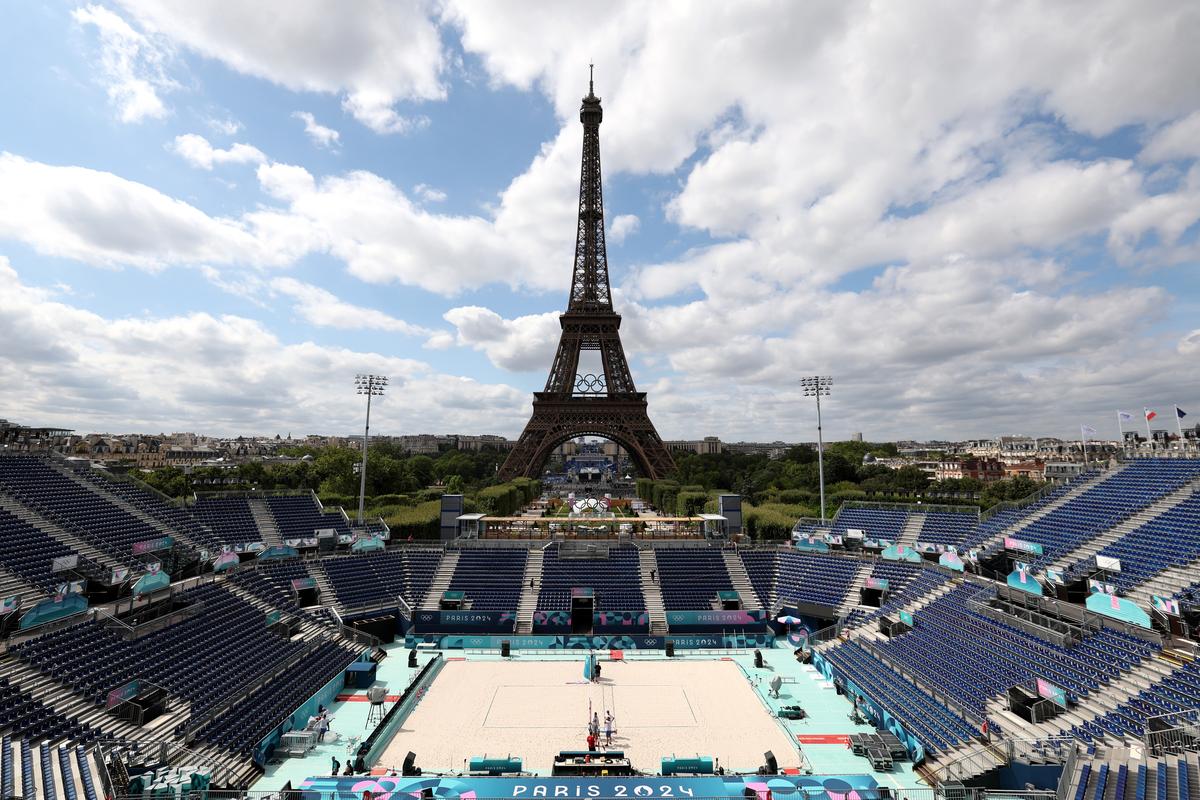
(606, 404)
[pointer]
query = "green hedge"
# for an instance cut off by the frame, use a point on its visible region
(505, 499)
(422, 521)
(774, 520)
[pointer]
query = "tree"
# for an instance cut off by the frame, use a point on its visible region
(420, 470)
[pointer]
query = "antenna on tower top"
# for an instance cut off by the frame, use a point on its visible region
(591, 76)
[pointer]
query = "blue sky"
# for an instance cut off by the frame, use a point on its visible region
(980, 221)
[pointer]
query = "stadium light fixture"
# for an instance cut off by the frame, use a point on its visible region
(816, 386)
(370, 385)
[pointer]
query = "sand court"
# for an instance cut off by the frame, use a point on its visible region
(534, 709)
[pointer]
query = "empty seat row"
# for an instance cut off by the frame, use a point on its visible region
(491, 580)
(690, 578)
(615, 579)
(368, 579)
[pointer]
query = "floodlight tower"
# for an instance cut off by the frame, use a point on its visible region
(815, 386)
(370, 385)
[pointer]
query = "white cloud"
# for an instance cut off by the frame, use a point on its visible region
(1190, 344)
(382, 53)
(223, 127)
(828, 129)
(132, 64)
(318, 133)
(518, 345)
(323, 308)
(957, 348)
(374, 109)
(383, 236)
(99, 218)
(429, 193)
(222, 374)
(1180, 139)
(197, 151)
(623, 226)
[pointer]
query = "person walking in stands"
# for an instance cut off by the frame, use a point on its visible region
(654, 575)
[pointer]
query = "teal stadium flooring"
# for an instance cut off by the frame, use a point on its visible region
(829, 716)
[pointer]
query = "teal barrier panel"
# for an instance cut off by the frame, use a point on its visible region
(1023, 580)
(496, 766)
(697, 765)
(278, 552)
(951, 560)
(1118, 608)
(49, 610)
(227, 560)
(900, 552)
(151, 582)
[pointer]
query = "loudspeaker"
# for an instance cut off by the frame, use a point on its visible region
(505, 649)
(772, 765)
(410, 767)
(670, 648)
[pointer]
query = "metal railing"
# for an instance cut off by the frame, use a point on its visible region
(1007, 505)
(981, 757)
(360, 637)
(919, 507)
(1177, 732)
(1046, 632)
(109, 619)
(1068, 772)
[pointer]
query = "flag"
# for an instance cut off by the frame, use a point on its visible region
(1179, 412)
(1124, 416)
(1150, 414)
(1088, 430)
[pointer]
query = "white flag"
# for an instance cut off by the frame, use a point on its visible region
(1124, 416)
(1088, 430)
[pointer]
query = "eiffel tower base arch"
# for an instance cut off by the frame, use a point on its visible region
(555, 420)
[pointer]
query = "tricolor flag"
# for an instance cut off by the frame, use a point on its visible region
(1179, 412)
(1124, 416)
(1150, 414)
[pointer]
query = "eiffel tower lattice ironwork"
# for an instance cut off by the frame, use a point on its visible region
(605, 403)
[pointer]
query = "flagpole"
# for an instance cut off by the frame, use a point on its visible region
(1179, 426)
(1120, 430)
(1083, 436)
